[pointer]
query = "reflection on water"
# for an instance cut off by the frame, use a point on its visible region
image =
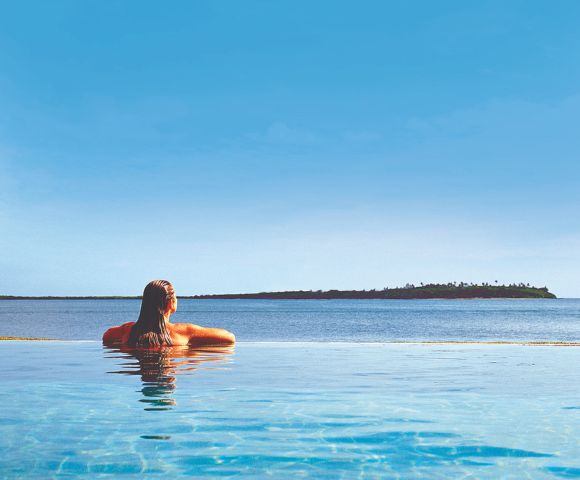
(333, 411)
(159, 367)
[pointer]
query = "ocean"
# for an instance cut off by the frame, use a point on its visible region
(313, 320)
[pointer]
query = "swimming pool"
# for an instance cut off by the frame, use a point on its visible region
(285, 410)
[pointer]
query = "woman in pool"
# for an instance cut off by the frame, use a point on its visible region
(152, 328)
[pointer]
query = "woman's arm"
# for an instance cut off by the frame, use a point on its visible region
(111, 336)
(199, 336)
(117, 334)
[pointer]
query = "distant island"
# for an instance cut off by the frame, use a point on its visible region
(408, 292)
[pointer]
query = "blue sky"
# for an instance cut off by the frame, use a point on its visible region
(248, 146)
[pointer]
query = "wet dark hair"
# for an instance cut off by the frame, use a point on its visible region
(150, 329)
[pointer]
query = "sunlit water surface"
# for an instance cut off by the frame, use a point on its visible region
(290, 410)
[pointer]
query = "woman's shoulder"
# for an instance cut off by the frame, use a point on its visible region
(180, 333)
(117, 334)
(195, 334)
(184, 328)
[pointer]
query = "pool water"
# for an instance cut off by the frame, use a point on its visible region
(290, 410)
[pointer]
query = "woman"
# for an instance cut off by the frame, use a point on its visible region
(152, 328)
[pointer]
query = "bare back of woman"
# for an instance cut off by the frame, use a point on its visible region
(153, 329)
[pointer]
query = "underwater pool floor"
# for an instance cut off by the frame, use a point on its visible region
(290, 410)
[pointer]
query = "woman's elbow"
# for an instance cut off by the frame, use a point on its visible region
(223, 337)
(229, 338)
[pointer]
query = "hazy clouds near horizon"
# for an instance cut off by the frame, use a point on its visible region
(236, 147)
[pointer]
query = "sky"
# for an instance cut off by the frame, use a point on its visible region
(256, 146)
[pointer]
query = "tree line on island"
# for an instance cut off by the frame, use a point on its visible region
(451, 290)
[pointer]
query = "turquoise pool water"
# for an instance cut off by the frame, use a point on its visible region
(290, 410)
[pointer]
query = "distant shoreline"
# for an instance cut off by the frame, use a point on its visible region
(432, 291)
(31, 339)
(233, 297)
(451, 291)
(54, 297)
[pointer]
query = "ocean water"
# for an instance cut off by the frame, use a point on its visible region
(313, 320)
(290, 410)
